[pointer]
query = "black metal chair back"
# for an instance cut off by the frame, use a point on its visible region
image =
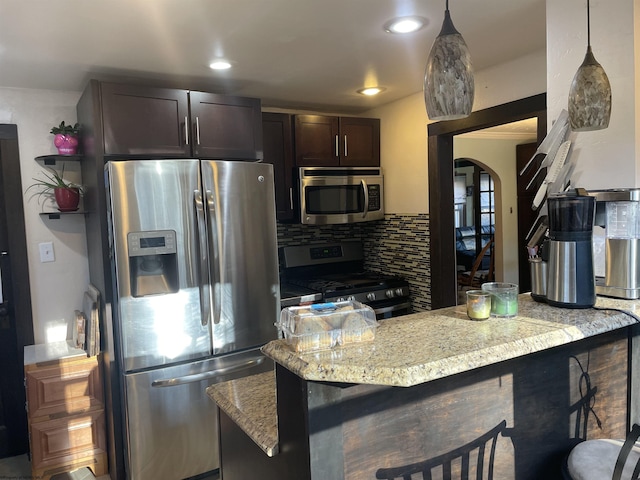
(482, 449)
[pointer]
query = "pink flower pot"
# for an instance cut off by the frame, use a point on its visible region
(67, 199)
(66, 144)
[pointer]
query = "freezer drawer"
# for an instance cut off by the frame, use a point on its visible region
(172, 429)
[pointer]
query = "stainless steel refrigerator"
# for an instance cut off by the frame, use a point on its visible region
(194, 256)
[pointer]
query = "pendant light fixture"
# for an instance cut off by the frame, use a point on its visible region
(448, 79)
(590, 94)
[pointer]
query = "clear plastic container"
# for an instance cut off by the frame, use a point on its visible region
(622, 219)
(325, 325)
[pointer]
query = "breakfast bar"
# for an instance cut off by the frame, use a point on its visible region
(435, 390)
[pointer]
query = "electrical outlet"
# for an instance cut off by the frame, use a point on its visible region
(46, 252)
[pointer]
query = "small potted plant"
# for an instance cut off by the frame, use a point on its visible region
(66, 138)
(66, 194)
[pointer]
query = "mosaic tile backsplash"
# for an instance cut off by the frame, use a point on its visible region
(398, 245)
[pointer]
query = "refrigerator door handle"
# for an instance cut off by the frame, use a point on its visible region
(198, 377)
(205, 299)
(214, 255)
(2, 255)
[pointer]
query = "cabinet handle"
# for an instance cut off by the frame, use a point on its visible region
(337, 147)
(197, 131)
(345, 146)
(291, 197)
(186, 131)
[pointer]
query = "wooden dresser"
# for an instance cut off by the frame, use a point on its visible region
(65, 410)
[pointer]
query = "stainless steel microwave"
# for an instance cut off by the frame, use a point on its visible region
(331, 195)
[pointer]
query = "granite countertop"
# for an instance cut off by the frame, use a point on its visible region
(422, 347)
(251, 403)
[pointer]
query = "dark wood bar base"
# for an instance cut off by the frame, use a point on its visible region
(540, 405)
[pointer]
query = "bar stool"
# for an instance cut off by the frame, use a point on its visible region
(604, 459)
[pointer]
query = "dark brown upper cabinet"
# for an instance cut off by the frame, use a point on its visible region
(142, 120)
(336, 141)
(226, 127)
(278, 150)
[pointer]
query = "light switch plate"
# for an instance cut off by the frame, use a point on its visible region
(46, 252)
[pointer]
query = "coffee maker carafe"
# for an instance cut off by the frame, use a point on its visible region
(617, 248)
(571, 280)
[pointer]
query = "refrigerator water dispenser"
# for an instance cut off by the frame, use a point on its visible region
(153, 263)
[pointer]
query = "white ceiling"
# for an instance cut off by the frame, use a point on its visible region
(298, 54)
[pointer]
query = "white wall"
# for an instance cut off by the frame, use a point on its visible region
(499, 158)
(56, 288)
(604, 158)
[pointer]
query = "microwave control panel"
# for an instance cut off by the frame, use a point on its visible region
(374, 197)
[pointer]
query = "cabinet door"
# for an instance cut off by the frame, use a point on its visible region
(68, 442)
(145, 121)
(316, 141)
(66, 388)
(359, 142)
(226, 127)
(278, 150)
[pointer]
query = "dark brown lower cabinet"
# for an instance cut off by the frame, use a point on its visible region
(538, 407)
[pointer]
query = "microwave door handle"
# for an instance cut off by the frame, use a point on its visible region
(365, 189)
(214, 255)
(201, 228)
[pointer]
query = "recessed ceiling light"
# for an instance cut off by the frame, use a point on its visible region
(370, 91)
(408, 24)
(219, 65)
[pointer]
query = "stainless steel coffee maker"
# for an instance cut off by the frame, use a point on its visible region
(616, 242)
(571, 280)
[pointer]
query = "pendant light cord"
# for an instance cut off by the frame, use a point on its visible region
(447, 5)
(588, 25)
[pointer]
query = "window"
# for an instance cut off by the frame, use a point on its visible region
(487, 211)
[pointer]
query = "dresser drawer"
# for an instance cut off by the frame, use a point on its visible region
(67, 441)
(63, 389)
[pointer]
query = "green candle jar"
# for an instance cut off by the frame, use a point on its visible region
(504, 298)
(478, 304)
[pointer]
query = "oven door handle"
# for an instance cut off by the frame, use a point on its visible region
(392, 308)
(365, 190)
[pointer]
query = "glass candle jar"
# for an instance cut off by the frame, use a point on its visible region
(478, 304)
(504, 298)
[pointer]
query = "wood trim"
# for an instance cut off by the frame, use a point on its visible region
(440, 154)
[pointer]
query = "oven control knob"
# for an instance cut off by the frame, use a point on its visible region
(389, 293)
(339, 299)
(351, 298)
(399, 292)
(371, 296)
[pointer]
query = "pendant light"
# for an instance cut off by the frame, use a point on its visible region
(448, 79)
(590, 94)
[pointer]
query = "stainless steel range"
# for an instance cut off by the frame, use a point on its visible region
(334, 272)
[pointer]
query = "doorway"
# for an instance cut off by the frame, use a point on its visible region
(16, 325)
(441, 184)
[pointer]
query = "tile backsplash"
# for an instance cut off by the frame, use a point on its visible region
(398, 245)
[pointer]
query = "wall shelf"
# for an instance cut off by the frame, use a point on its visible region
(52, 160)
(56, 215)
